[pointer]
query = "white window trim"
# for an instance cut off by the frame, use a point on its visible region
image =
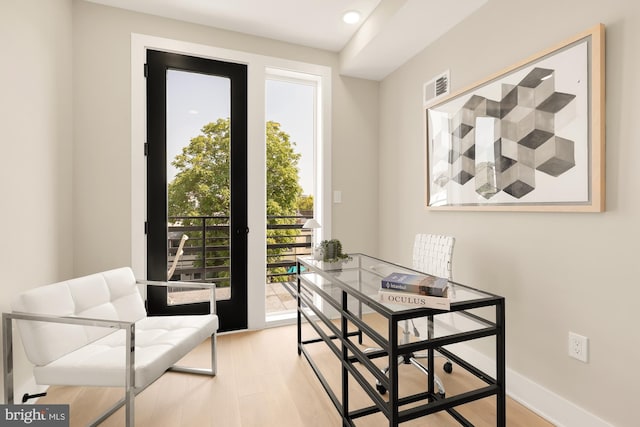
(257, 67)
(318, 171)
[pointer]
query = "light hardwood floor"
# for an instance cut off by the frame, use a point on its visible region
(262, 382)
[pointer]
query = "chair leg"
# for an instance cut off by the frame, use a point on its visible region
(201, 371)
(106, 414)
(214, 357)
(400, 361)
(424, 370)
(129, 408)
(413, 361)
(130, 379)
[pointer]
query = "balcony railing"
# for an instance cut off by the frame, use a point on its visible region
(286, 239)
(206, 255)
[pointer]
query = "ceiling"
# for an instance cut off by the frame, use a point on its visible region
(390, 32)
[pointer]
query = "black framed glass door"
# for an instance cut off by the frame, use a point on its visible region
(197, 184)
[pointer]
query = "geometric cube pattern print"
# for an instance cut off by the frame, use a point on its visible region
(502, 142)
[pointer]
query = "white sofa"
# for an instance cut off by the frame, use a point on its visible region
(94, 331)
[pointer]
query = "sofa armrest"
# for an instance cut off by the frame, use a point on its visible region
(86, 321)
(7, 342)
(197, 285)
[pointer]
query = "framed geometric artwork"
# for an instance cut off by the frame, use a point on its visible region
(529, 138)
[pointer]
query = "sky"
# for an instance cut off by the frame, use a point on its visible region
(194, 100)
(292, 105)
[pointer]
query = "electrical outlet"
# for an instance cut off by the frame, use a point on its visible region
(578, 347)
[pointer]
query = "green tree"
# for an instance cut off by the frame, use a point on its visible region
(305, 204)
(202, 186)
(283, 189)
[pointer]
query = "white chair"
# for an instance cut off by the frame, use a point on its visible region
(176, 258)
(433, 255)
(94, 331)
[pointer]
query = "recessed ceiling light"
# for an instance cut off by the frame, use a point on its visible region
(351, 17)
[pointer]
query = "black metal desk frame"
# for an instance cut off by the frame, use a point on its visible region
(340, 343)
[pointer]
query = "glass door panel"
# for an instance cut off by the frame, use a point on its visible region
(199, 178)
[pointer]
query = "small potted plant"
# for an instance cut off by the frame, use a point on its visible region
(331, 251)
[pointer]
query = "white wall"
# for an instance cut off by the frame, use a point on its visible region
(559, 272)
(355, 164)
(35, 149)
(102, 125)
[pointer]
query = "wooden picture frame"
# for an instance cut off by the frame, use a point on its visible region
(529, 138)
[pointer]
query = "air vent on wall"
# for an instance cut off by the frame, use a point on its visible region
(436, 87)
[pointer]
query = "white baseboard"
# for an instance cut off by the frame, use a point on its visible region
(550, 406)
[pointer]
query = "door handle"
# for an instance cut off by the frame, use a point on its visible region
(239, 231)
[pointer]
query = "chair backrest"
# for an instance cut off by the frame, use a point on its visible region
(433, 254)
(110, 295)
(176, 258)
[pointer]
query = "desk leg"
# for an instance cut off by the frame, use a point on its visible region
(345, 359)
(299, 314)
(501, 368)
(431, 388)
(393, 372)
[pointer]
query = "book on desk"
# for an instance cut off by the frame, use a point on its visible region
(415, 290)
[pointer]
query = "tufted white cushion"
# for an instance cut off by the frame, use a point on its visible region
(89, 355)
(160, 342)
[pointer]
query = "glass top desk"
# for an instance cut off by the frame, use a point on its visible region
(340, 304)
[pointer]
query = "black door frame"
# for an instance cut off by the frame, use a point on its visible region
(232, 313)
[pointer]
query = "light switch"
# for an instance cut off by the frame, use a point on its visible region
(337, 196)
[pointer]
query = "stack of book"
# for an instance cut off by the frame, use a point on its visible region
(415, 290)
